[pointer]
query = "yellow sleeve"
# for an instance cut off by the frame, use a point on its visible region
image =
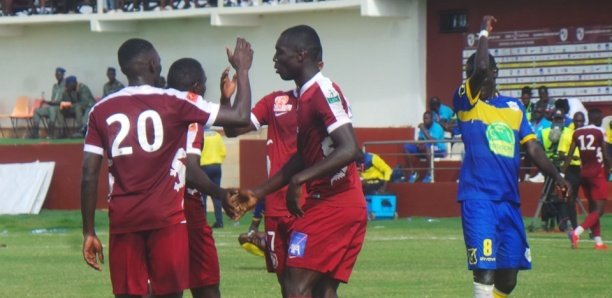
(382, 166)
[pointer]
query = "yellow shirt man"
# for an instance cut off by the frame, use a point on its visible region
(213, 151)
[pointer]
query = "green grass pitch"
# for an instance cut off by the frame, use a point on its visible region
(40, 256)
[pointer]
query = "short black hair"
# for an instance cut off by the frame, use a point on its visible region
(111, 69)
(595, 116)
(526, 90)
(184, 73)
(469, 67)
(543, 88)
(131, 49)
(305, 38)
(563, 105)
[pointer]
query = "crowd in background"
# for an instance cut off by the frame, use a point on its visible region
(30, 7)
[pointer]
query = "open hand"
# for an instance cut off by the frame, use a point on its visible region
(242, 57)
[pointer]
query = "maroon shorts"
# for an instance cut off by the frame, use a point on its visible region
(160, 256)
(595, 188)
(203, 259)
(328, 239)
(278, 230)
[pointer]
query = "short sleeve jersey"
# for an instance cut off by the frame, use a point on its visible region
(445, 113)
(142, 130)
(195, 213)
(277, 110)
(589, 141)
(491, 131)
(322, 108)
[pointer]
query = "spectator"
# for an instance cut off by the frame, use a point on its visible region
(428, 130)
(563, 105)
(538, 121)
(80, 101)
(549, 105)
(572, 174)
(375, 174)
(549, 138)
(526, 100)
(112, 85)
(213, 155)
(50, 110)
(441, 113)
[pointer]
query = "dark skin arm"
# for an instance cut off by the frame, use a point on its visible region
(481, 62)
(196, 178)
(239, 113)
(227, 89)
(538, 157)
(294, 174)
(92, 247)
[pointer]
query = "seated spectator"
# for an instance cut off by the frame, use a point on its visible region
(375, 173)
(428, 130)
(50, 109)
(526, 100)
(112, 85)
(441, 113)
(78, 101)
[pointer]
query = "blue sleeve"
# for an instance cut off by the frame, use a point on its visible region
(446, 113)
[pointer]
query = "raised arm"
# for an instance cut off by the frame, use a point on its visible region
(228, 87)
(92, 247)
(481, 61)
(239, 113)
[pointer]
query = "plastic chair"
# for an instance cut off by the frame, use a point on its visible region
(21, 111)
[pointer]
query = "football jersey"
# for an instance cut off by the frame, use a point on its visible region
(589, 141)
(322, 108)
(277, 110)
(195, 212)
(491, 131)
(142, 130)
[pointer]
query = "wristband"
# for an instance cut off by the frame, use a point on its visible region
(484, 33)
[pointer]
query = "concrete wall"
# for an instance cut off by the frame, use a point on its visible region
(378, 61)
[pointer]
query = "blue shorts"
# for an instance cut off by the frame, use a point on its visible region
(494, 235)
(414, 149)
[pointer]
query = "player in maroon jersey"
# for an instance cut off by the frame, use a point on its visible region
(277, 110)
(187, 74)
(142, 130)
(329, 230)
(595, 162)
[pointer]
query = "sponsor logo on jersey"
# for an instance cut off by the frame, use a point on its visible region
(471, 254)
(281, 105)
(297, 245)
(501, 139)
(332, 100)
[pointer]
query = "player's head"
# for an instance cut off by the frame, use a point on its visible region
(427, 119)
(139, 61)
(526, 95)
(469, 66)
(543, 93)
(578, 120)
(595, 116)
(487, 90)
(187, 74)
(298, 50)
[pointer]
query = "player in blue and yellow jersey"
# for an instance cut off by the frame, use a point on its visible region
(493, 127)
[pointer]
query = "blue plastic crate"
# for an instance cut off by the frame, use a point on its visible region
(381, 206)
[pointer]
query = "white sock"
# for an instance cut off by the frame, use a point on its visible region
(598, 240)
(483, 291)
(579, 230)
